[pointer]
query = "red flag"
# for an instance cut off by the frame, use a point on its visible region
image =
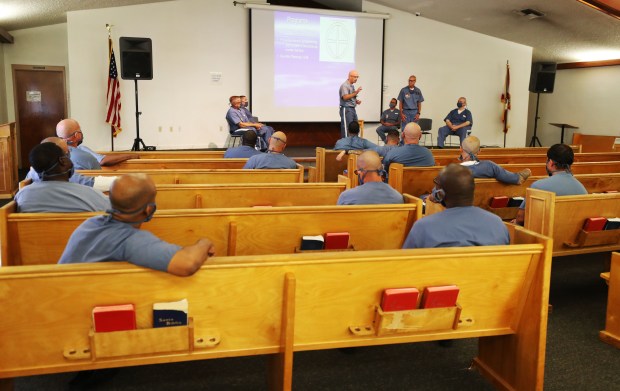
(113, 116)
(506, 99)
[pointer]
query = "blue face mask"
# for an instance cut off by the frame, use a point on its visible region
(148, 218)
(392, 105)
(459, 104)
(439, 195)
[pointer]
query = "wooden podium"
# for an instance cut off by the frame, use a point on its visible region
(8, 161)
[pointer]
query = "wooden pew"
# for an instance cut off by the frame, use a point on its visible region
(247, 195)
(533, 158)
(594, 143)
(299, 302)
(195, 154)
(210, 176)
(501, 151)
(419, 180)
(611, 334)
(328, 168)
(40, 238)
(562, 217)
(177, 164)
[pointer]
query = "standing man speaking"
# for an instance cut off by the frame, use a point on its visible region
(410, 103)
(348, 101)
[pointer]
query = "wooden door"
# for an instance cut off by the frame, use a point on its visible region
(40, 102)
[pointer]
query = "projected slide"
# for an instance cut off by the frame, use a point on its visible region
(312, 57)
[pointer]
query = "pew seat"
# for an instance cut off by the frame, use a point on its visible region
(611, 334)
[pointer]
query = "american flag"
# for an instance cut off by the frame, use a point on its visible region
(113, 116)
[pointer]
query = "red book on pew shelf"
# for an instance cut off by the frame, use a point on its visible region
(439, 296)
(114, 318)
(499, 202)
(399, 299)
(594, 224)
(336, 240)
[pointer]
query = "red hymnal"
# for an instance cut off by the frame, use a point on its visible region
(499, 202)
(399, 299)
(336, 240)
(594, 224)
(114, 318)
(439, 296)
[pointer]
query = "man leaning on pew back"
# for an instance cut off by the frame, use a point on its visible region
(470, 147)
(461, 224)
(117, 236)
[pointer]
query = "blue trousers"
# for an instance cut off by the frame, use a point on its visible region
(444, 131)
(347, 115)
(382, 131)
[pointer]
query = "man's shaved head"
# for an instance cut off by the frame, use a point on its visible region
(471, 145)
(58, 141)
(412, 133)
(130, 192)
(277, 142)
(67, 127)
(369, 160)
(458, 184)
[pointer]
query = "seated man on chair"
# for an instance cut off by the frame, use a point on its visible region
(390, 120)
(458, 121)
(238, 119)
(470, 147)
(460, 224)
(274, 158)
(117, 236)
(246, 149)
(372, 189)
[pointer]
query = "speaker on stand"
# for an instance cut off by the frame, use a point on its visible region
(542, 81)
(137, 64)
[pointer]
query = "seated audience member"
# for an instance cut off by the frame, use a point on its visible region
(354, 141)
(274, 158)
(84, 158)
(247, 147)
(458, 121)
(372, 189)
(390, 120)
(391, 141)
(561, 181)
(460, 224)
(238, 119)
(117, 236)
(244, 106)
(54, 192)
(470, 147)
(75, 178)
(411, 153)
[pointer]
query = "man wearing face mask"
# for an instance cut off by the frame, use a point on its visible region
(372, 189)
(410, 98)
(461, 224)
(470, 147)
(390, 120)
(411, 153)
(54, 192)
(84, 158)
(561, 181)
(117, 236)
(458, 121)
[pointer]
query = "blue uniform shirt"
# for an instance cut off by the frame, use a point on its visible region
(85, 159)
(75, 178)
(243, 151)
(370, 193)
(353, 143)
(345, 89)
(270, 161)
(488, 169)
(561, 183)
(410, 98)
(57, 196)
(458, 227)
(458, 119)
(409, 155)
(383, 149)
(234, 117)
(102, 238)
(391, 116)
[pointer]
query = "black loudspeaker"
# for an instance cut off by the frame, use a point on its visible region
(542, 78)
(136, 58)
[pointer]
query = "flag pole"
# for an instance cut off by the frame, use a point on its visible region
(109, 28)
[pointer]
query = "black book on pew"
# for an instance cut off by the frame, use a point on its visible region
(613, 223)
(515, 201)
(312, 242)
(170, 314)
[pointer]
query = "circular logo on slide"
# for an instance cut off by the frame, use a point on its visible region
(338, 40)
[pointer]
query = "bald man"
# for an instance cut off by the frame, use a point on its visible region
(117, 236)
(54, 192)
(411, 153)
(470, 147)
(461, 224)
(348, 101)
(274, 158)
(372, 189)
(84, 158)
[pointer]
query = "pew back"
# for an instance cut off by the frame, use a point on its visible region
(196, 154)
(327, 167)
(40, 238)
(532, 158)
(299, 302)
(611, 334)
(177, 164)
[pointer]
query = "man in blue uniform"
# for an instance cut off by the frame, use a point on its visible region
(238, 119)
(54, 193)
(84, 158)
(410, 101)
(390, 120)
(117, 236)
(348, 100)
(470, 147)
(461, 224)
(372, 189)
(411, 153)
(75, 178)
(353, 141)
(246, 149)
(561, 181)
(274, 158)
(391, 141)
(458, 121)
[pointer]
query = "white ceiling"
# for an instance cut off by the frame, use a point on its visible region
(570, 31)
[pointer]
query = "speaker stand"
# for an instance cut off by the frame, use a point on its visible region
(536, 117)
(137, 142)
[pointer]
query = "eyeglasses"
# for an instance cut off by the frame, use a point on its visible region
(72, 134)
